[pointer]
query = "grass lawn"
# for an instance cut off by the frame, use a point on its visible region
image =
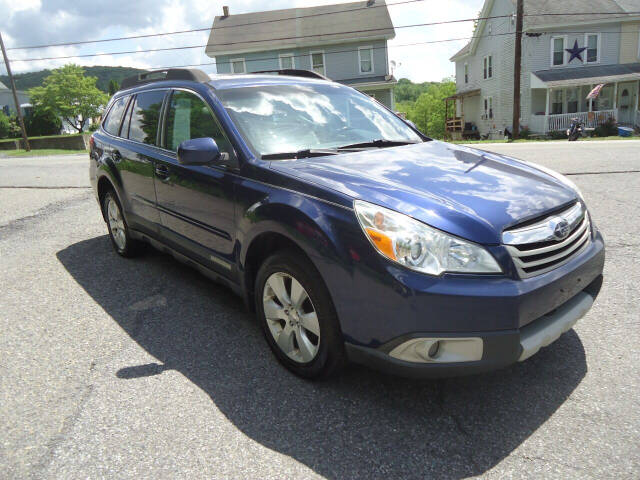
(585, 139)
(45, 152)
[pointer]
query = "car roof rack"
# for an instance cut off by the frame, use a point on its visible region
(297, 72)
(192, 74)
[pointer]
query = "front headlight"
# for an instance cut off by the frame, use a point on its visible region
(418, 246)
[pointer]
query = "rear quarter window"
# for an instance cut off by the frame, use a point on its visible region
(114, 117)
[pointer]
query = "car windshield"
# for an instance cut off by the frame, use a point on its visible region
(292, 118)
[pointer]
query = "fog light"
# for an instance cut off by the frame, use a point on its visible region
(433, 350)
(439, 350)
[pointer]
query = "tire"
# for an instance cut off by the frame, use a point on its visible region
(309, 349)
(119, 233)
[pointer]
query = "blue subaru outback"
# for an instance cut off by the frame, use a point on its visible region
(351, 235)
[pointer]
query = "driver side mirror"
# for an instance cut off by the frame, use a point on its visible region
(198, 151)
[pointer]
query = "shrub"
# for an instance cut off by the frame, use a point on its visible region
(558, 134)
(5, 126)
(525, 133)
(607, 129)
(14, 127)
(41, 122)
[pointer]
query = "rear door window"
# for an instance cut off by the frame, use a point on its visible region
(145, 117)
(188, 116)
(114, 118)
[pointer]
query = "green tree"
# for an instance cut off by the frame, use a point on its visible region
(113, 86)
(68, 94)
(428, 111)
(407, 91)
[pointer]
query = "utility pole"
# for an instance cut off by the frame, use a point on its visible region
(517, 68)
(15, 96)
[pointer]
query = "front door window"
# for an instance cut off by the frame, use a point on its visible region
(189, 117)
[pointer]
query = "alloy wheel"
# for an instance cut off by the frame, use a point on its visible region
(116, 224)
(291, 317)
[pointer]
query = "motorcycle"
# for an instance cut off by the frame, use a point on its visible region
(575, 130)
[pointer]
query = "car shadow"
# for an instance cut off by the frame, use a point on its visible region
(360, 424)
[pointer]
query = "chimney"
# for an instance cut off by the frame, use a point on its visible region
(225, 11)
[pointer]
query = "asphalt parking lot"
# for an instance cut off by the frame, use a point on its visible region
(145, 369)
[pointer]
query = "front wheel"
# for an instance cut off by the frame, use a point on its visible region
(298, 317)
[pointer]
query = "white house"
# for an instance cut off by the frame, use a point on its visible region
(554, 83)
(345, 42)
(7, 104)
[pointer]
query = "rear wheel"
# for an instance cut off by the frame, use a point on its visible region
(119, 233)
(298, 317)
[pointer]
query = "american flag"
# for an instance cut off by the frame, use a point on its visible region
(595, 92)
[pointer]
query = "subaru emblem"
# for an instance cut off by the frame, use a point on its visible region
(561, 230)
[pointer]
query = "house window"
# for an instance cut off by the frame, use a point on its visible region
(287, 62)
(237, 65)
(557, 51)
(466, 73)
(317, 62)
(572, 100)
(557, 100)
(365, 55)
(592, 42)
(487, 67)
(488, 107)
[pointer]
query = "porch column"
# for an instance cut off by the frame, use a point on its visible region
(636, 119)
(546, 113)
(591, 99)
(615, 95)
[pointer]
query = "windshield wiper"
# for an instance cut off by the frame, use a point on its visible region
(309, 152)
(380, 143)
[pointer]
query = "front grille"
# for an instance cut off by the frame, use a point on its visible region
(546, 244)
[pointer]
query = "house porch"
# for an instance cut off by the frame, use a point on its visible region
(558, 96)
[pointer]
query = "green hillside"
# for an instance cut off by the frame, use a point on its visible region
(25, 81)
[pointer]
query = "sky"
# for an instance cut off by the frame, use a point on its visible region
(35, 22)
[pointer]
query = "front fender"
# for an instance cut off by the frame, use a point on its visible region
(309, 223)
(322, 230)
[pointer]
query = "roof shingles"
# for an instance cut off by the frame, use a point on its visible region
(294, 27)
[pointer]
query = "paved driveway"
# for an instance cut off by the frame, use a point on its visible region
(144, 369)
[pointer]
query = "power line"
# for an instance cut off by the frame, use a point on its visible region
(372, 48)
(328, 53)
(164, 49)
(366, 30)
(204, 29)
(189, 47)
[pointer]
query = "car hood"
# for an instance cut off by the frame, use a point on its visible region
(463, 191)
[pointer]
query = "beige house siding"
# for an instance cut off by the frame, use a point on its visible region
(629, 38)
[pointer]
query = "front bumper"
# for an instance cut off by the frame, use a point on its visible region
(499, 348)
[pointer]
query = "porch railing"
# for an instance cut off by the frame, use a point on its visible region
(551, 123)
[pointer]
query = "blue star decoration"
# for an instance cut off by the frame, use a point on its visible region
(575, 52)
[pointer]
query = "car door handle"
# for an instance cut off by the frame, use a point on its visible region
(162, 172)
